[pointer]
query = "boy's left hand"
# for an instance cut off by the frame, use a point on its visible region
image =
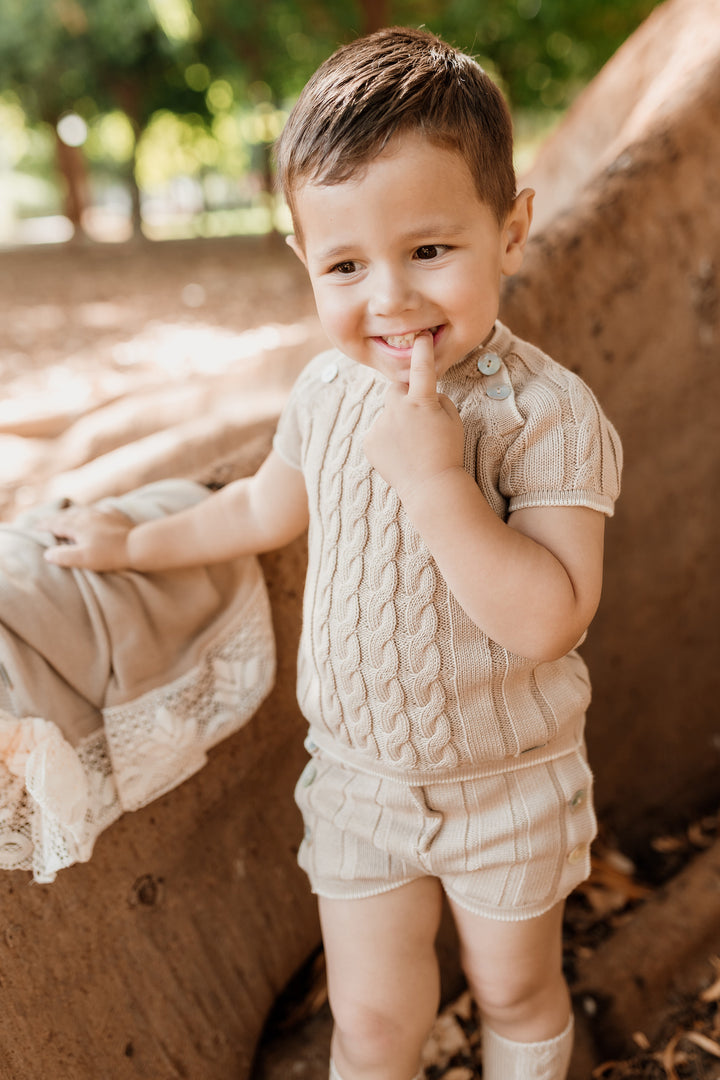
(418, 436)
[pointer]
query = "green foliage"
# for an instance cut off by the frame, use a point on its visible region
(202, 87)
(89, 56)
(144, 55)
(542, 51)
(141, 55)
(274, 45)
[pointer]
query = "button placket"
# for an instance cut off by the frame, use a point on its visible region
(489, 364)
(497, 382)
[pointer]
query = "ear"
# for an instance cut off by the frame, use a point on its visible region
(294, 243)
(516, 230)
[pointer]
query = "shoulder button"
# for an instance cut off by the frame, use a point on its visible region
(499, 393)
(489, 364)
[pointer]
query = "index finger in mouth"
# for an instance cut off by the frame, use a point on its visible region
(422, 385)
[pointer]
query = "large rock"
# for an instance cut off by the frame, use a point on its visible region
(621, 285)
(161, 957)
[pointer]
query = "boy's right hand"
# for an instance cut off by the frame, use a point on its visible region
(418, 437)
(89, 538)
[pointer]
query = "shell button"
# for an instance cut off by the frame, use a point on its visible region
(579, 799)
(329, 372)
(489, 364)
(577, 854)
(309, 775)
(499, 393)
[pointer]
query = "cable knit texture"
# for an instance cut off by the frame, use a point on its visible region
(393, 676)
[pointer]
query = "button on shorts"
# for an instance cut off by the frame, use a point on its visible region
(507, 846)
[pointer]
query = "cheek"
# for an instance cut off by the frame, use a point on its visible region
(477, 291)
(335, 313)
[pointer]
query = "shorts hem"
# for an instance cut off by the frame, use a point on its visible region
(366, 893)
(501, 915)
(511, 914)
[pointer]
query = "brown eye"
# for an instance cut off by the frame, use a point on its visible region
(428, 251)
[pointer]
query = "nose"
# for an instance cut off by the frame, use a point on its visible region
(391, 292)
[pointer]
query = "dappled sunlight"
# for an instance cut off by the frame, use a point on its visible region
(133, 368)
(40, 403)
(184, 348)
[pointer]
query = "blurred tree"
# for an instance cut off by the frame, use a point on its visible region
(267, 52)
(91, 56)
(543, 51)
(146, 57)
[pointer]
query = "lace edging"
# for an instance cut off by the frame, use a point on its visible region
(56, 799)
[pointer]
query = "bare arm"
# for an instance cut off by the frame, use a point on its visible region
(255, 514)
(531, 583)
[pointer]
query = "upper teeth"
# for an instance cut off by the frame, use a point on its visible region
(405, 341)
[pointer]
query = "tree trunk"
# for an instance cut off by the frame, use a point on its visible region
(161, 957)
(72, 168)
(376, 15)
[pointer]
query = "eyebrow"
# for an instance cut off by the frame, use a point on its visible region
(416, 234)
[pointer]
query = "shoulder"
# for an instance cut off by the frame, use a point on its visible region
(506, 365)
(321, 370)
(566, 442)
(535, 374)
(329, 374)
(510, 384)
(548, 393)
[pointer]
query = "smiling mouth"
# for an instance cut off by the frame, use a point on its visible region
(406, 341)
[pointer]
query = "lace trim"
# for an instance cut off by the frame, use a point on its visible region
(56, 799)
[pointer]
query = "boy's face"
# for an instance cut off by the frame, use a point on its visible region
(407, 246)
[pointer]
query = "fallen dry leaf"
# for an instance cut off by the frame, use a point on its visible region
(703, 1041)
(712, 992)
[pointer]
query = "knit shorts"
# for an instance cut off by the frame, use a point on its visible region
(507, 846)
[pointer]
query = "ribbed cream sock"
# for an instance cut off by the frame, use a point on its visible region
(504, 1059)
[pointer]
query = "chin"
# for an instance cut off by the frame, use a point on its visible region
(396, 373)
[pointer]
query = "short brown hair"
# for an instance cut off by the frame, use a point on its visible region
(392, 81)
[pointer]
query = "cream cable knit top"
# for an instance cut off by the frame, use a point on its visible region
(393, 676)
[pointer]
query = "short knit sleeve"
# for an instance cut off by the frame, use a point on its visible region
(287, 441)
(289, 434)
(567, 452)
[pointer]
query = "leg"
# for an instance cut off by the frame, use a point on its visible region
(514, 970)
(383, 980)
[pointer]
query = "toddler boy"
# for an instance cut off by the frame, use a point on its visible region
(455, 482)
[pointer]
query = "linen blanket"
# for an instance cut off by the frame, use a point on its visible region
(113, 686)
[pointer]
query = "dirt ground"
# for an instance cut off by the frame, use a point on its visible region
(84, 326)
(87, 325)
(75, 304)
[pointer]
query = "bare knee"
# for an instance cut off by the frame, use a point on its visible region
(370, 1036)
(536, 1005)
(383, 980)
(514, 970)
